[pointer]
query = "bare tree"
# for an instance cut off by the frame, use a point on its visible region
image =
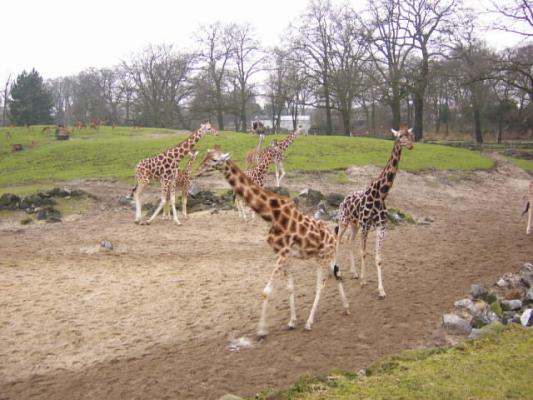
(5, 96)
(215, 55)
(517, 17)
(248, 61)
(277, 85)
(427, 21)
(390, 45)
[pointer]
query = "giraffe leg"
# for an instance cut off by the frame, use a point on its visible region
(282, 173)
(184, 197)
(164, 191)
(353, 234)
(290, 287)
(166, 211)
(380, 235)
(342, 229)
(138, 205)
(320, 283)
(529, 221)
(278, 182)
(262, 329)
(345, 304)
(173, 205)
(364, 235)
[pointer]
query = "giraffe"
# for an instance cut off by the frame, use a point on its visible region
(183, 183)
(253, 156)
(291, 234)
(278, 158)
(366, 208)
(529, 209)
(258, 174)
(163, 167)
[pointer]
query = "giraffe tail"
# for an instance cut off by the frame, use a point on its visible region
(527, 208)
(133, 191)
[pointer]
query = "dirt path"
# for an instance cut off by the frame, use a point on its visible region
(153, 319)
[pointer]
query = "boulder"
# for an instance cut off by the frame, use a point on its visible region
(30, 203)
(526, 277)
(311, 197)
(125, 201)
(477, 291)
(106, 245)
(511, 316)
(484, 318)
(9, 201)
(334, 199)
(59, 192)
(49, 214)
(488, 330)
(455, 324)
(528, 298)
(282, 191)
(526, 319)
(511, 305)
(467, 305)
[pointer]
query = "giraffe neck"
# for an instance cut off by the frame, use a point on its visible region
(385, 180)
(287, 141)
(179, 151)
(265, 204)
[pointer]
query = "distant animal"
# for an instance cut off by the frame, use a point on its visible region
(16, 147)
(46, 129)
(8, 135)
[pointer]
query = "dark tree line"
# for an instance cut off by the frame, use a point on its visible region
(415, 61)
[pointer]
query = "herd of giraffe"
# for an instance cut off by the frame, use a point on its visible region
(292, 233)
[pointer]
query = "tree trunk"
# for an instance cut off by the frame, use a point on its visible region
(346, 121)
(419, 117)
(500, 127)
(477, 125)
(396, 115)
(329, 124)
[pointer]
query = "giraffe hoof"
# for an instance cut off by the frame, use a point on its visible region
(291, 326)
(382, 296)
(261, 338)
(355, 276)
(307, 328)
(346, 312)
(144, 223)
(363, 283)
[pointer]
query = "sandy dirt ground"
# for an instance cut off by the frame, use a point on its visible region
(153, 318)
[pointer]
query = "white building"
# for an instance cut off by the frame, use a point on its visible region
(286, 122)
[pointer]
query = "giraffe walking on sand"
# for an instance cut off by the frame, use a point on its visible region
(292, 233)
(183, 184)
(361, 210)
(163, 167)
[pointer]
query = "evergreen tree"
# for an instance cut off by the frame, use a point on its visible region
(30, 103)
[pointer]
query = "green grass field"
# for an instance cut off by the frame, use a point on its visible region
(113, 153)
(493, 368)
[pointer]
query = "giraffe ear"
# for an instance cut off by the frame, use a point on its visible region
(225, 156)
(410, 130)
(395, 133)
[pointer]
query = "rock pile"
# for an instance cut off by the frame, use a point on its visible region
(510, 301)
(41, 203)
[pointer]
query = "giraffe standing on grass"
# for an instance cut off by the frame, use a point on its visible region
(291, 234)
(163, 167)
(366, 208)
(182, 183)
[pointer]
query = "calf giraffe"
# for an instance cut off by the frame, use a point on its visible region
(258, 174)
(183, 183)
(529, 207)
(163, 167)
(366, 208)
(291, 234)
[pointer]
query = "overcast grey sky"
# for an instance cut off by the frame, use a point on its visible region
(64, 37)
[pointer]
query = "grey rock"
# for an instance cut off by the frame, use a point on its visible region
(456, 324)
(488, 330)
(484, 318)
(526, 277)
(106, 245)
(9, 201)
(526, 319)
(424, 221)
(125, 201)
(49, 214)
(476, 291)
(322, 212)
(334, 199)
(466, 304)
(312, 197)
(511, 305)
(529, 296)
(510, 316)
(282, 191)
(59, 192)
(527, 267)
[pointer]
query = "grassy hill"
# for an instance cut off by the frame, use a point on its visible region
(492, 369)
(113, 153)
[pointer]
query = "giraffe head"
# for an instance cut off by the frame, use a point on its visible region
(206, 127)
(214, 159)
(404, 136)
(258, 127)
